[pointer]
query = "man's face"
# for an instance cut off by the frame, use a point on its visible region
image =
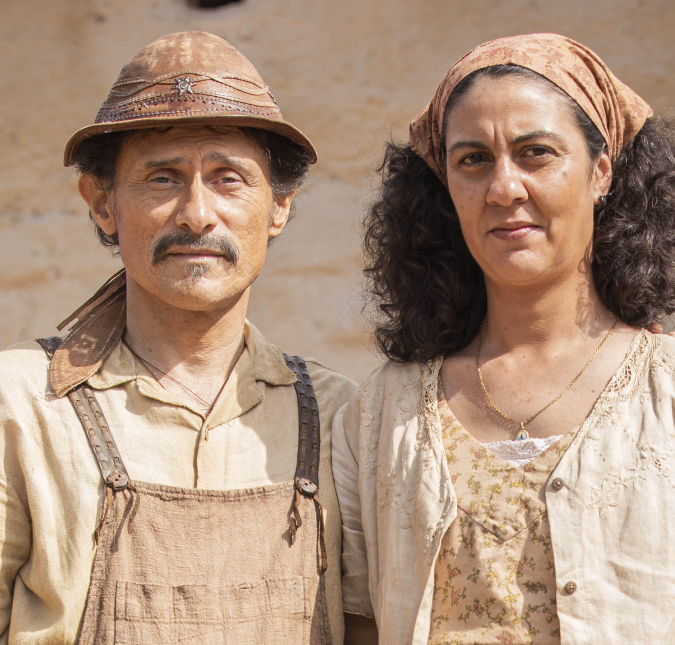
(194, 210)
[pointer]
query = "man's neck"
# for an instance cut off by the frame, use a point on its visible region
(197, 348)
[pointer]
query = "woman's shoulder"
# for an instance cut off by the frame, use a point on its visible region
(390, 378)
(662, 363)
(394, 387)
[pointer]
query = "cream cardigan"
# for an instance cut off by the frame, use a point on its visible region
(612, 520)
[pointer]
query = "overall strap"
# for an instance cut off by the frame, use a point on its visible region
(309, 429)
(309, 443)
(95, 426)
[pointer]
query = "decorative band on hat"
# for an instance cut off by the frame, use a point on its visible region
(146, 107)
(185, 80)
(182, 89)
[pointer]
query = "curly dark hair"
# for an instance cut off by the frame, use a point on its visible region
(430, 292)
(97, 156)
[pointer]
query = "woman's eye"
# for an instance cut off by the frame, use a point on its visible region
(537, 151)
(473, 159)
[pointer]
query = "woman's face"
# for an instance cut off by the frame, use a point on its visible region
(521, 178)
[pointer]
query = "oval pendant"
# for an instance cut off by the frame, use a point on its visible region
(522, 434)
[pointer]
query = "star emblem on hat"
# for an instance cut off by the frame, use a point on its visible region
(183, 85)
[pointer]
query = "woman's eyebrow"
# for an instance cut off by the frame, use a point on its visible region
(539, 134)
(468, 144)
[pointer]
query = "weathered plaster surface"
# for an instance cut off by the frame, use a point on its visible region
(349, 73)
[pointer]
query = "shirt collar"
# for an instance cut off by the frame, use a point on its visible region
(260, 361)
(93, 352)
(260, 358)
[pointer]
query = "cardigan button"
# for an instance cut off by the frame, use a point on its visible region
(571, 587)
(557, 483)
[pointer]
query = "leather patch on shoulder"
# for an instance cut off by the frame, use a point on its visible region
(89, 343)
(111, 286)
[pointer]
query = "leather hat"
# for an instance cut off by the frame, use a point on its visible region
(188, 78)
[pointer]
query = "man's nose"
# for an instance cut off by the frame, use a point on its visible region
(506, 183)
(196, 212)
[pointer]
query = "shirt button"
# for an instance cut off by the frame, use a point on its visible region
(557, 483)
(571, 587)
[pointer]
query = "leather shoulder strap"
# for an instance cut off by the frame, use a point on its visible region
(108, 458)
(309, 440)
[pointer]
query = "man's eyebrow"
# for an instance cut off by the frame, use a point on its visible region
(163, 163)
(224, 160)
(479, 145)
(212, 157)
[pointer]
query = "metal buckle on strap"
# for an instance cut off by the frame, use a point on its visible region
(306, 487)
(117, 480)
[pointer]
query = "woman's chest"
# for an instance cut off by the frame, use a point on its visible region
(547, 396)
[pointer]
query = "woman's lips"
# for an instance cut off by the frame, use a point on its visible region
(513, 234)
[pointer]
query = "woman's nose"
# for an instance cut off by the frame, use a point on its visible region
(506, 185)
(196, 211)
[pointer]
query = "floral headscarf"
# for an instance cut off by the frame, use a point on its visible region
(614, 108)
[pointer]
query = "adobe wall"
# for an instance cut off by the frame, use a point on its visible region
(349, 73)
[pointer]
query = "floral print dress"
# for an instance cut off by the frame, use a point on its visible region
(494, 578)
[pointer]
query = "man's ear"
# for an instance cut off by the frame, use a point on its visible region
(99, 203)
(281, 210)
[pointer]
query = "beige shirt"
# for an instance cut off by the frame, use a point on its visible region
(51, 492)
(612, 520)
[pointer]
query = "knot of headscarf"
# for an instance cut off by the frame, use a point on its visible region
(614, 108)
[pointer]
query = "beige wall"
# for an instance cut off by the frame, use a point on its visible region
(348, 72)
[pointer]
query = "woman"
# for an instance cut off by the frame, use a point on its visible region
(508, 476)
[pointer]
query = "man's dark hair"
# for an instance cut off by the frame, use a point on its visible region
(430, 292)
(97, 157)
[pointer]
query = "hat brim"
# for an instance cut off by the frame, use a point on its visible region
(280, 127)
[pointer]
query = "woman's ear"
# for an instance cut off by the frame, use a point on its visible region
(602, 175)
(98, 201)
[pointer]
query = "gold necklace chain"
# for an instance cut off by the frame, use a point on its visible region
(522, 433)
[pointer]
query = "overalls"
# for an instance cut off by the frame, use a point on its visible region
(203, 567)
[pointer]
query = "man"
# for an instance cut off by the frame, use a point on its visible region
(161, 474)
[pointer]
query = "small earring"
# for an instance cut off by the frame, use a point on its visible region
(601, 203)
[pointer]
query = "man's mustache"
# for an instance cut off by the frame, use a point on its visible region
(210, 242)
